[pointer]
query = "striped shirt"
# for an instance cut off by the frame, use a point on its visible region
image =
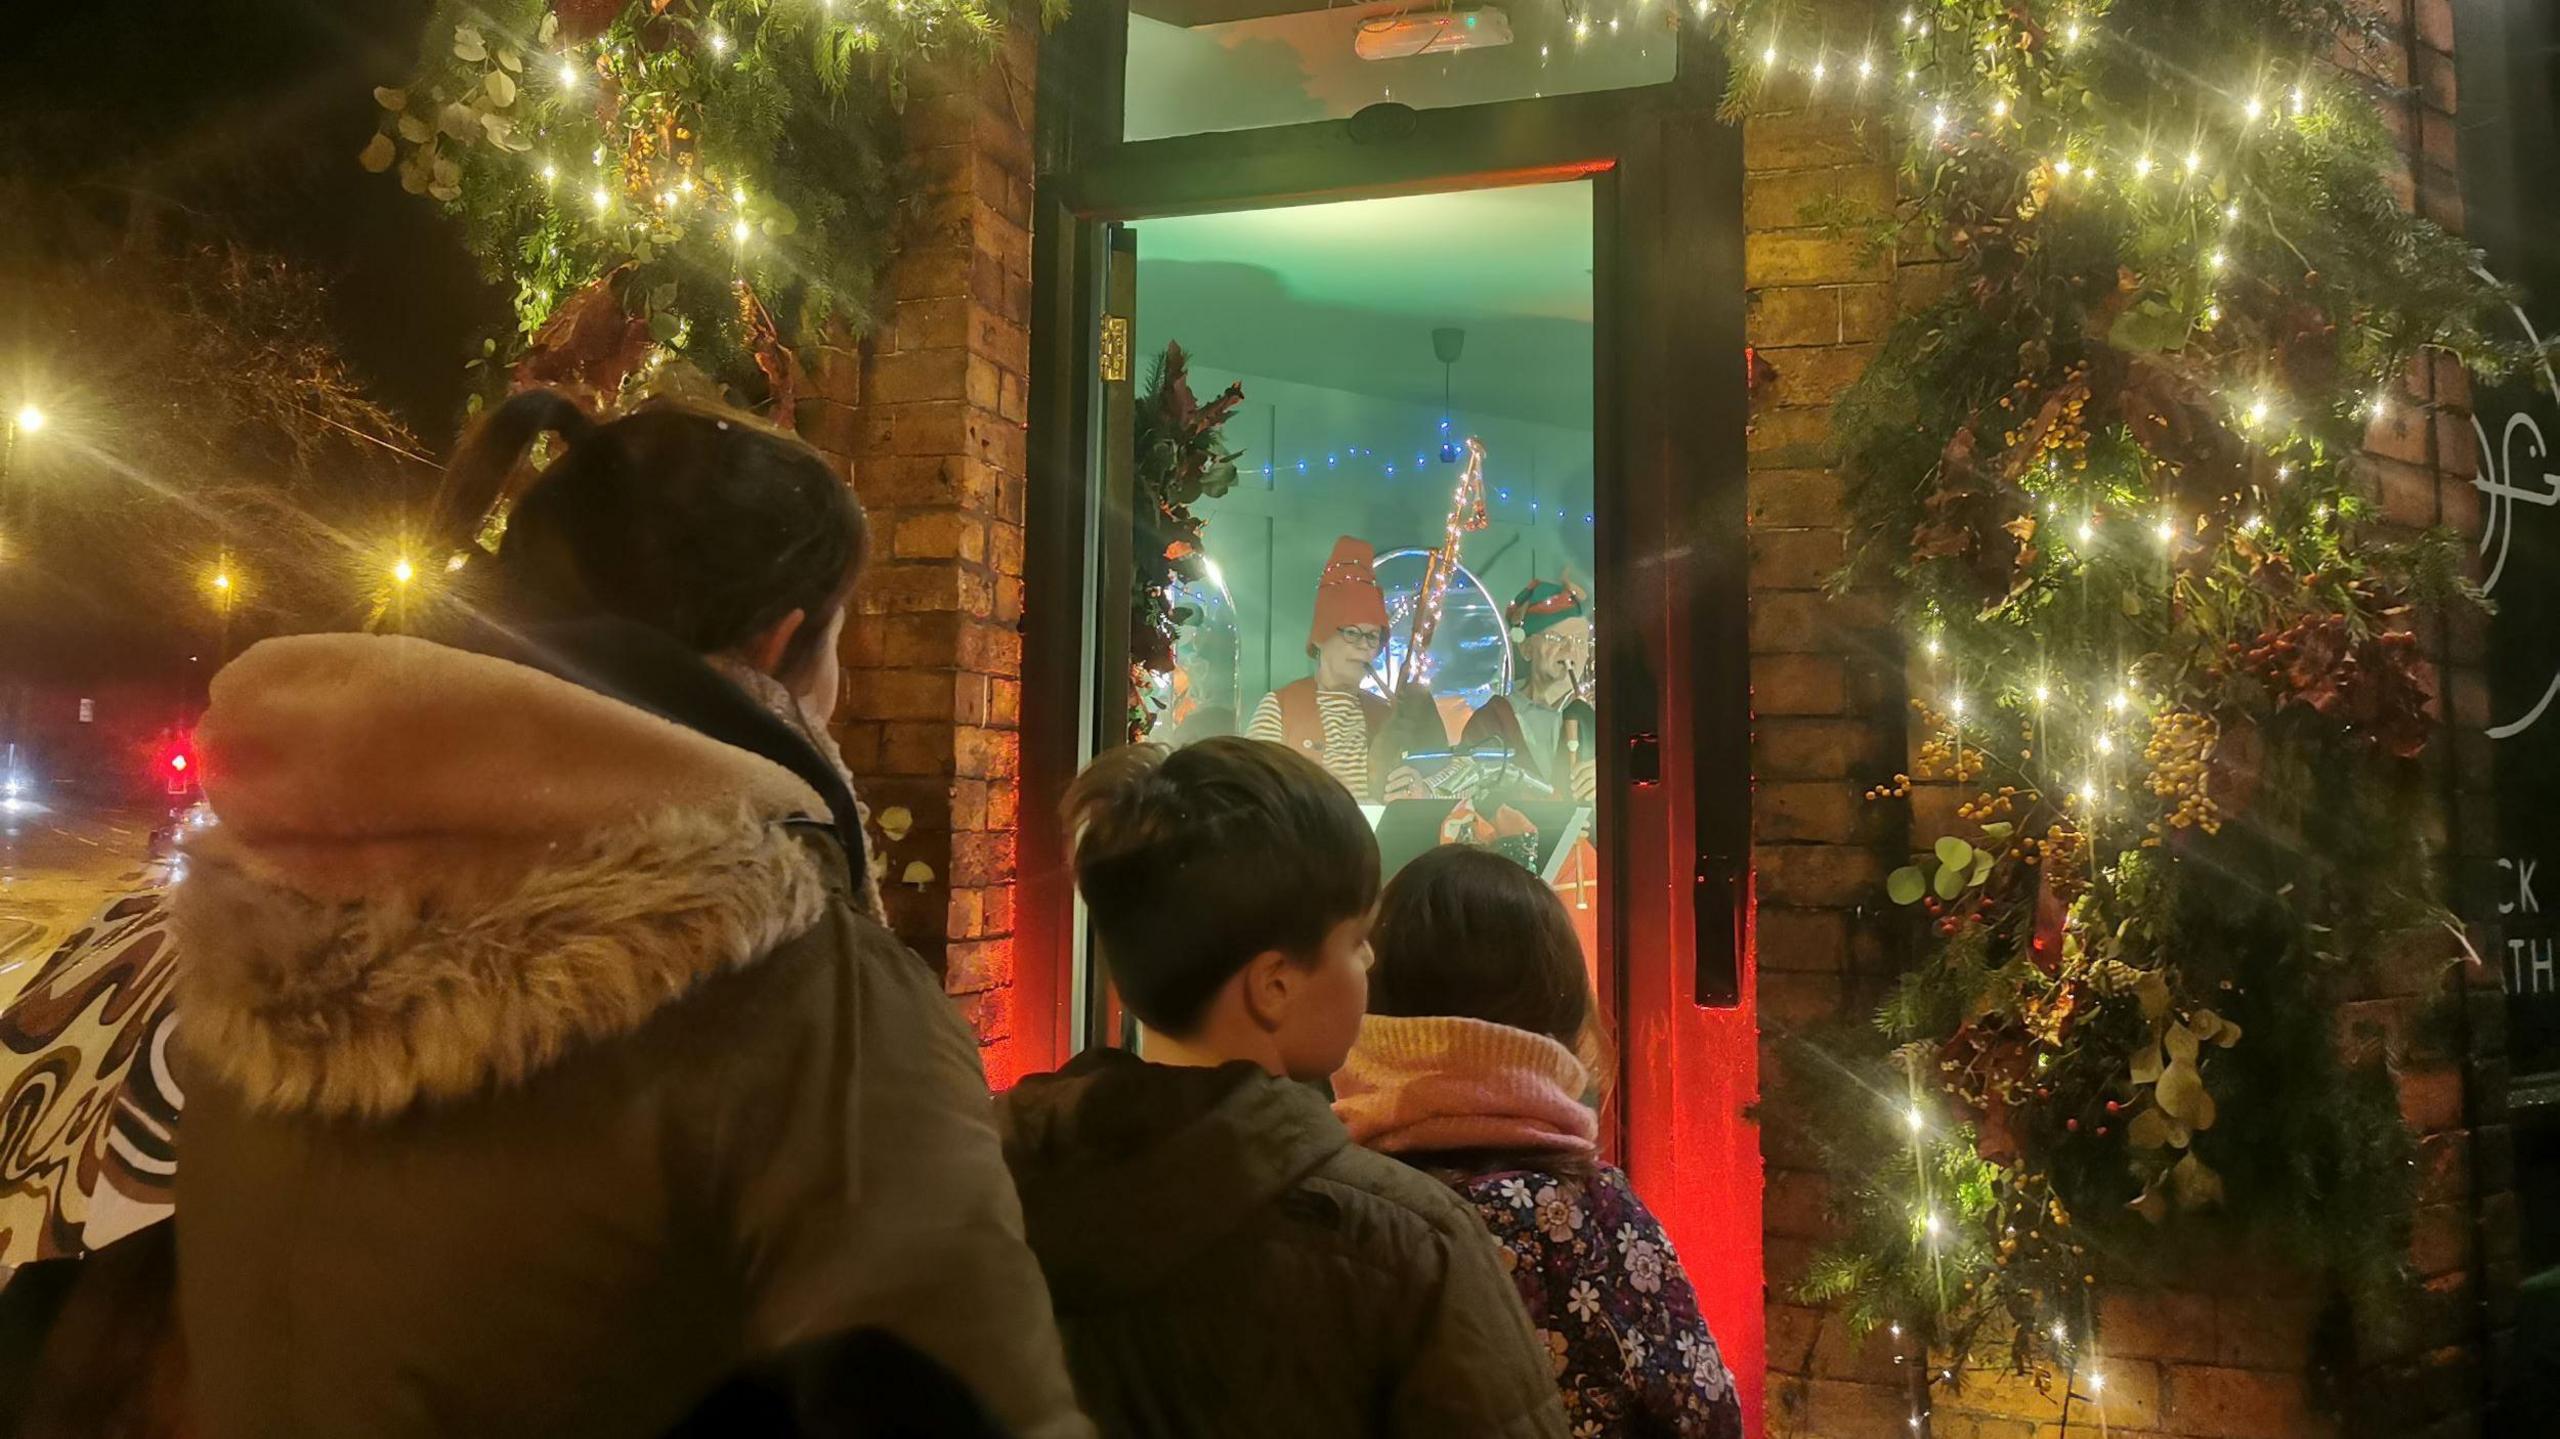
(1346, 736)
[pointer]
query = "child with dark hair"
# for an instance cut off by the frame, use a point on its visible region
(1223, 1259)
(1481, 1048)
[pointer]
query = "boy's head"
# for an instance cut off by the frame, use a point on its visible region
(1231, 884)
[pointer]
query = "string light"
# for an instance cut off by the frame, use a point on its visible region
(2215, 261)
(2000, 108)
(2254, 108)
(2088, 791)
(1866, 68)
(1916, 1119)
(1955, 706)
(2296, 101)
(2168, 532)
(2231, 212)
(603, 199)
(2195, 161)
(2062, 168)
(2088, 531)
(739, 231)
(2257, 407)
(402, 572)
(719, 43)
(1932, 646)
(2379, 405)
(2060, 1335)
(2118, 701)
(550, 173)
(2043, 693)
(2106, 744)
(1768, 56)
(2071, 33)
(2097, 1383)
(1906, 19)
(2254, 523)
(1938, 122)
(568, 75)
(2142, 168)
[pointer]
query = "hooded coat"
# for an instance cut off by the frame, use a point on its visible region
(543, 1068)
(1225, 1262)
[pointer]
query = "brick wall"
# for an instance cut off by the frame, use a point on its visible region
(930, 409)
(2228, 1361)
(1826, 691)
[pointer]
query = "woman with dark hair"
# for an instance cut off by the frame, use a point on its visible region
(1479, 1063)
(546, 1060)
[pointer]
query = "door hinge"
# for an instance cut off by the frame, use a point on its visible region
(1115, 349)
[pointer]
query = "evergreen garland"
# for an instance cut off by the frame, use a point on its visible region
(2166, 658)
(705, 179)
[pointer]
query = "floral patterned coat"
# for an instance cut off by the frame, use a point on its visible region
(1610, 1302)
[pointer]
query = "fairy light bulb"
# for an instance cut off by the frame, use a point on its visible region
(1818, 66)
(1938, 122)
(1866, 69)
(2043, 693)
(2296, 101)
(2060, 1335)
(2168, 532)
(2254, 523)
(1931, 1223)
(2216, 261)
(550, 174)
(2097, 1383)
(2106, 744)
(2000, 108)
(719, 43)
(2088, 791)
(402, 571)
(1932, 646)
(602, 198)
(2088, 531)
(739, 231)
(2258, 406)
(1915, 1119)
(2231, 212)
(1769, 55)
(1907, 18)
(2142, 168)
(2117, 702)
(1955, 706)
(568, 75)
(2062, 168)
(2195, 161)
(2254, 108)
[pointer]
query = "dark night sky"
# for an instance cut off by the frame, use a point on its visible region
(254, 110)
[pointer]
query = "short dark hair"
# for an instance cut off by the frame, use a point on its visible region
(1192, 861)
(1469, 932)
(707, 525)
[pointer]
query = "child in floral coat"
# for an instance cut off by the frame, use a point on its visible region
(1474, 1064)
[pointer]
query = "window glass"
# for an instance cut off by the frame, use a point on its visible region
(1416, 421)
(1196, 66)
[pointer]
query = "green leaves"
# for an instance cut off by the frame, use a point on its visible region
(1906, 885)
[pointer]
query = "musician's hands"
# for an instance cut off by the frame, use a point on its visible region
(1406, 782)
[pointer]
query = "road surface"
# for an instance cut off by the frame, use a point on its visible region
(56, 866)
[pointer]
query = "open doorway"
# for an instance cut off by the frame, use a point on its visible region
(1398, 577)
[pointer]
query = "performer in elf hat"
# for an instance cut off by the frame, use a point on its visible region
(1545, 722)
(1327, 716)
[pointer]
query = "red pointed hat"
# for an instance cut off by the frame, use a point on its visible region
(1347, 592)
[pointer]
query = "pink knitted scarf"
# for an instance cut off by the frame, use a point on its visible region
(1441, 1083)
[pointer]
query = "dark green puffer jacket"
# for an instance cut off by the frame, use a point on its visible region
(1225, 1262)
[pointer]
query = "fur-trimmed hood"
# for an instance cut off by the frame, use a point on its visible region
(436, 872)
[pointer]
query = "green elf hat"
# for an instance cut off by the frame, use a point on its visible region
(1544, 605)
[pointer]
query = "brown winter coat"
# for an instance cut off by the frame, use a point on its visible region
(542, 1070)
(1226, 1263)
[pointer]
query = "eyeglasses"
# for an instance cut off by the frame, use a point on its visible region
(1365, 636)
